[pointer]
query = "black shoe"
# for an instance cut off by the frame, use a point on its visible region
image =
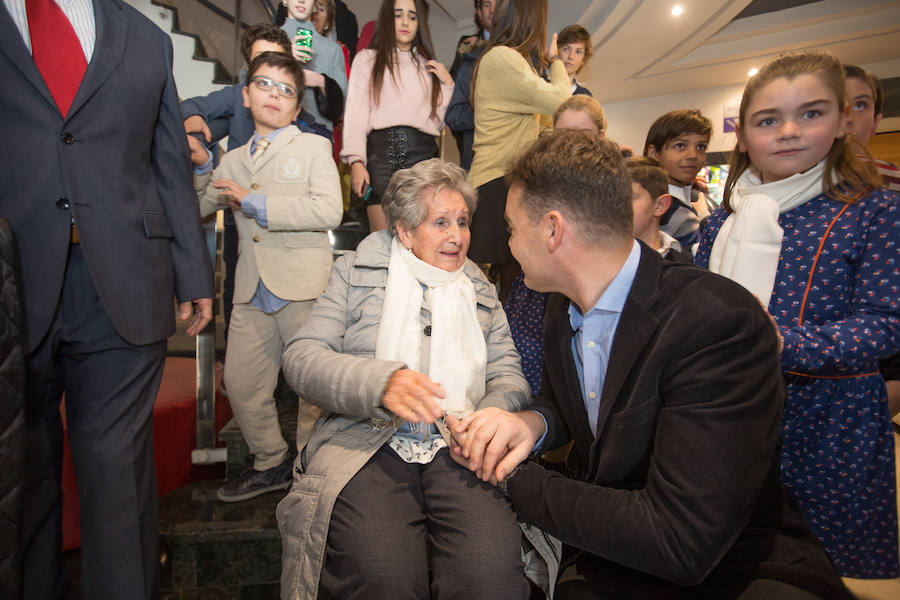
(253, 483)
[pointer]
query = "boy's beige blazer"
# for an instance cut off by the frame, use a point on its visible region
(303, 200)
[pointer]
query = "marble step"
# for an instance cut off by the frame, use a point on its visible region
(213, 550)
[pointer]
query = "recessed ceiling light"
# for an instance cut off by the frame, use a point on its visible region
(677, 10)
(752, 72)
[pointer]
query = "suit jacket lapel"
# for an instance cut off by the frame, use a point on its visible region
(570, 398)
(109, 48)
(636, 327)
(281, 140)
(13, 46)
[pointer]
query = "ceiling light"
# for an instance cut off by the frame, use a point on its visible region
(677, 10)
(752, 72)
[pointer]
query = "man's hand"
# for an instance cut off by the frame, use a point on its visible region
(494, 441)
(202, 314)
(196, 124)
(199, 154)
(410, 395)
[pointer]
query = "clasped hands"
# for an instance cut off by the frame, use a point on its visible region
(489, 442)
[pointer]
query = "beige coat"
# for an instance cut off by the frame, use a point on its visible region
(303, 199)
(331, 363)
(509, 97)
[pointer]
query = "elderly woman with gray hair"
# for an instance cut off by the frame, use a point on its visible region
(407, 331)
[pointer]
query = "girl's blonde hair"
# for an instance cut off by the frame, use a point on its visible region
(585, 104)
(856, 174)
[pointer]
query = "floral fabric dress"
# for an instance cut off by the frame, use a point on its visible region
(837, 303)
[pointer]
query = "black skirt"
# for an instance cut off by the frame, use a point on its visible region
(392, 149)
(490, 240)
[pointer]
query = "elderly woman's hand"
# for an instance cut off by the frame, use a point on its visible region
(410, 395)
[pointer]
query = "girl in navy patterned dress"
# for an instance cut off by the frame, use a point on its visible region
(805, 227)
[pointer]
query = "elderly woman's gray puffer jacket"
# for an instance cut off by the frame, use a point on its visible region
(331, 363)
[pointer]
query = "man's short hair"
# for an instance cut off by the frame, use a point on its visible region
(576, 34)
(647, 173)
(284, 62)
(263, 31)
(581, 175)
(871, 81)
(674, 124)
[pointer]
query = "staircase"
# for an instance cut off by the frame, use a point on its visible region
(224, 551)
(195, 75)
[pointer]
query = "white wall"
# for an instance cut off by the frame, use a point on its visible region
(628, 121)
(444, 33)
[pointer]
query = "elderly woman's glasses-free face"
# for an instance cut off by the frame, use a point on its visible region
(266, 84)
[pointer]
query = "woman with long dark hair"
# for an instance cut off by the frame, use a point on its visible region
(508, 96)
(396, 101)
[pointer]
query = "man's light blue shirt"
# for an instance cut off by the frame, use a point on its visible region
(594, 333)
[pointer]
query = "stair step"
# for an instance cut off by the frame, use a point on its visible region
(239, 457)
(217, 550)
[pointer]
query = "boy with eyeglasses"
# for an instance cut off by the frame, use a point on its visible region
(283, 189)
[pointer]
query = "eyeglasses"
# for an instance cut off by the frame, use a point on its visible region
(266, 84)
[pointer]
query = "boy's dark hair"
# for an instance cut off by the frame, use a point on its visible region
(284, 62)
(676, 123)
(263, 31)
(582, 176)
(871, 81)
(578, 35)
(647, 173)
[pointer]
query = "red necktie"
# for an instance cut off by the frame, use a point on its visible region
(56, 50)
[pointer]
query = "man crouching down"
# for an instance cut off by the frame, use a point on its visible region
(666, 380)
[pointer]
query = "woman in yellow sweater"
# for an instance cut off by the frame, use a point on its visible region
(509, 96)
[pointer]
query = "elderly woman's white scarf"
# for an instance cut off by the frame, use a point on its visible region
(458, 353)
(748, 245)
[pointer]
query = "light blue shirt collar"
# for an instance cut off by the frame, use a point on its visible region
(613, 298)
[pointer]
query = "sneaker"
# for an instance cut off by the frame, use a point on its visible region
(253, 483)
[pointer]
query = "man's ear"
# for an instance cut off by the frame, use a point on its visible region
(554, 228)
(662, 205)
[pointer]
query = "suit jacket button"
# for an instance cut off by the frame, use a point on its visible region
(254, 186)
(255, 238)
(62, 203)
(67, 138)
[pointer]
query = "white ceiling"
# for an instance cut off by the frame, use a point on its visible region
(641, 50)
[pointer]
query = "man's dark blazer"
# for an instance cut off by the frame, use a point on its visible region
(118, 163)
(680, 487)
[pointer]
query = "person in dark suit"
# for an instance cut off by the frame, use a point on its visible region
(96, 185)
(484, 18)
(666, 380)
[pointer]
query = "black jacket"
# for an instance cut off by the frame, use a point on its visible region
(680, 487)
(12, 419)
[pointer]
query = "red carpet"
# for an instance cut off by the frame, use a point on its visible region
(174, 436)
